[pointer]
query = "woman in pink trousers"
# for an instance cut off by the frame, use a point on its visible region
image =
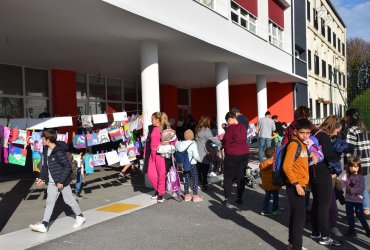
(156, 163)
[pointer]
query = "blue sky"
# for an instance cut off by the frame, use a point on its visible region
(356, 16)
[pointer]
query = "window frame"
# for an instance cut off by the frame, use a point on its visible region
(274, 38)
(248, 17)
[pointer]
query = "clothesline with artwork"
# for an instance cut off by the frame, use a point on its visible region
(63, 121)
(14, 142)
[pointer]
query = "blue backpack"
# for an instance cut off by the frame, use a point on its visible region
(278, 174)
(183, 158)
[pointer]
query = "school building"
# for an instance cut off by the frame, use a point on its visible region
(179, 56)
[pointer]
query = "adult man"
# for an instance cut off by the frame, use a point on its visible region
(265, 128)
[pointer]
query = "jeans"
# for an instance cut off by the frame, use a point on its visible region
(366, 203)
(275, 201)
(79, 183)
(357, 208)
(262, 144)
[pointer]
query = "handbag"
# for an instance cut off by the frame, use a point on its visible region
(173, 180)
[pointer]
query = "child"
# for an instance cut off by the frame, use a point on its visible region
(191, 147)
(297, 180)
(270, 189)
(57, 173)
(354, 184)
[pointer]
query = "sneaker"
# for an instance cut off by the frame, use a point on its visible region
(212, 174)
(336, 232)
(315, 235)
(79, 221)
(154, 196)
(196, 198)
(328, 241)
(225, 202)
(275, 213)
(177, 198)
(187, 197)
(289, 247)
(77, 196)
(265, 213)
(160, 199)
(38, 227)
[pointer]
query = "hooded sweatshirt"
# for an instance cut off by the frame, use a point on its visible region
(193, 154)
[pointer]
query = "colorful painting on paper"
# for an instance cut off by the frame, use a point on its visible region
(78, 159)
(79, 141)
(131, 152)
(103, 136)
(17, 155)
(36, 142)
(5, 139)
(122, 154)
(37, 161)
(92, 139)
(62, 137)
(99, 159)
(140, 121)
(89, 163)
(19, 137)
(114, 133)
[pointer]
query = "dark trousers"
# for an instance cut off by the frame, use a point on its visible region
(352, 207)
(193, 174)
(322, 189)
(202, 173)
(234, 167)
(297, 217)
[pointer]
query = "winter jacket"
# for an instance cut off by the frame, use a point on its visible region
(266, 175)
(201, 138)
(58, 164)
(234, 140)
(192, 150)
(355, 186)
(359, 142)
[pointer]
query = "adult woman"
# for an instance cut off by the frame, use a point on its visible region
(156, 162)
(321, 184)
(236, 156)
(357, 136)
(203, 136)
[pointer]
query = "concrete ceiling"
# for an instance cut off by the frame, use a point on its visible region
(90, 36)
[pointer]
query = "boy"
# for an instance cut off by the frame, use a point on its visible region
(56, 172)
(270, 189)
(296, 171)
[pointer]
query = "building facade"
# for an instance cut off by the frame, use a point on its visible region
(327, 67)
(182, 57)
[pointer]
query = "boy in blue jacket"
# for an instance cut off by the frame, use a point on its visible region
(56, 172)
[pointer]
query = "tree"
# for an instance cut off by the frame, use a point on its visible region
(358, 66)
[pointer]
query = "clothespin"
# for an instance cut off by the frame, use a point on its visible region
(73, 134)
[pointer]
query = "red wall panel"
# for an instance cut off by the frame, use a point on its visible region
(64, 97)
(249, 5)
(203, 102)
(168, 100)
(276, 12)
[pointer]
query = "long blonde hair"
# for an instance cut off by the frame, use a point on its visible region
(204, 122)
(330, 124)
(164, 121)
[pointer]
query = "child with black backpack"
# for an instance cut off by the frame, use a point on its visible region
(188, 152)
(296, 171)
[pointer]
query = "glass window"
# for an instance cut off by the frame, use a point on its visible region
(97, 107)
(323, 68)
(81, 86)
(11, 107)
(36, 82)
(10, 80)
(114, 89)
(114, 107)
(130, 91)
(131, 108)
(34, 107)
(308, 11)
(318, 109)
(315, 19)
(329, 34)
(97, 88)
(309, 59)
(139, 93)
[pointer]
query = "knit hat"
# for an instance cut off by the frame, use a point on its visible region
(189, 135)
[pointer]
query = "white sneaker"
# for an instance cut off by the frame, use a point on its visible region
(79, 221)
(336, 232)
(39, 227)
(213, 174)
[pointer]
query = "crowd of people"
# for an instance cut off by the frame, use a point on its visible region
(305, 171)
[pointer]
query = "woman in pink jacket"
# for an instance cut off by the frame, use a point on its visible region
(156, 163)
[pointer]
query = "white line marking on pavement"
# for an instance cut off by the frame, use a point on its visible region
(26, 238)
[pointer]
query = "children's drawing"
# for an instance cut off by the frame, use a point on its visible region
(112, 157)
(79, 141)
(131, 152)
(62, 137)
(103, 136)
(19, 137)
(17, 155)
(92, 139)
(99, 159)
(89, 163)
(114, 133)
(86, 121)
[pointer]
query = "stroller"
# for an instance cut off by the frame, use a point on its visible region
(252, 174)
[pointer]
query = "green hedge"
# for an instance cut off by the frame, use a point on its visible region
(362, 103)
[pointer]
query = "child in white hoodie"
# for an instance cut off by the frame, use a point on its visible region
(191, 147)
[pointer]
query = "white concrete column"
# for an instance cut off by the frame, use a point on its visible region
(149, 81)
(261, 96)
(222, 94)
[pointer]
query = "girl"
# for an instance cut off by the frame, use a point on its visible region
(354, 184)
